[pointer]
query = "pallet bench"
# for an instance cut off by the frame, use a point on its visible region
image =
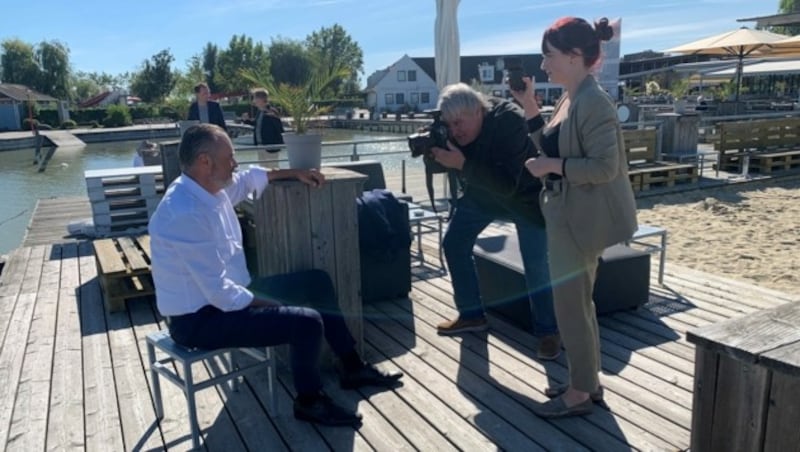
(645, 170)
(760, 146)
(123, 267)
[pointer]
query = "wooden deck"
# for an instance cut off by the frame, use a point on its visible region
(75, 377)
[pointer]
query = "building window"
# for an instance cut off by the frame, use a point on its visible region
(414, 98)
(425, 98)
(412, 76)
(389, 99)
(399, 98)
(486, 72)
(401, 76)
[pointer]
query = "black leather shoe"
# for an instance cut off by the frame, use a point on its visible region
(324, 411)
(369, 375)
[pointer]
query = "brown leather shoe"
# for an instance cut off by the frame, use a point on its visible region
(549, 347)
(459, 325)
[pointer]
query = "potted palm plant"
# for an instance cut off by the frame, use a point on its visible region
(301, 104)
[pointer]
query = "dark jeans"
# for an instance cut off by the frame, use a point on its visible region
(300, 327)
(467, 222)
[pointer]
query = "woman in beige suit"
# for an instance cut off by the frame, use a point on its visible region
(587, 202)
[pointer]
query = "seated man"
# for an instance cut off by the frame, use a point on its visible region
(203, 287)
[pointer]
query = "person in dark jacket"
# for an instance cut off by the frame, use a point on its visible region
(268, 125)
(488, 146)
(204, 110)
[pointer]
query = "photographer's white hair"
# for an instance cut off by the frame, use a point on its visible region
(459, 98)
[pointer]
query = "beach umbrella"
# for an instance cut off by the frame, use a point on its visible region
(786, 47)
(447, 59)
(739, 43)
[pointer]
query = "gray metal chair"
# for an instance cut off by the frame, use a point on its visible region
(184, 357)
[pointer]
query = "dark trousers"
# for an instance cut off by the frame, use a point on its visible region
(300, 327)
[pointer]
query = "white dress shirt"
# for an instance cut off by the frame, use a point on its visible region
(196, 245)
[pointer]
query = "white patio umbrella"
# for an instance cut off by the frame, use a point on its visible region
(447, 59)
(740, 43)
(786, 47)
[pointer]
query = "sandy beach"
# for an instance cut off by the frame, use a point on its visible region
(743, 231)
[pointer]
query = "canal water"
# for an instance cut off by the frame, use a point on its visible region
(21, 185)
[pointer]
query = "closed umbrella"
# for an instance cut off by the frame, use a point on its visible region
(447, 59)
(740, 43)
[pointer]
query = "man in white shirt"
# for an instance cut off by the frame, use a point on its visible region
(204, 290)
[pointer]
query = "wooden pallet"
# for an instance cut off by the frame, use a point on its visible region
(123, 266)
(660, 174)
(775, 161)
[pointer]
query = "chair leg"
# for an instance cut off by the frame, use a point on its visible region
(156, 383)
(189, 392)
(232, 361)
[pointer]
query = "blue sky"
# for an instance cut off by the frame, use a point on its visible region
(114, 37)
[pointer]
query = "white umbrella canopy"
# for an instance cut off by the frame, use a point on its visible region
(447, 58)
(740, 43)
(786, 47)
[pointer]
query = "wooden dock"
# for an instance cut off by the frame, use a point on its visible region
(75, 377)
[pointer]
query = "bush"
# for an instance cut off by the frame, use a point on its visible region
(26, 124)
(117, 116)
(69, 124)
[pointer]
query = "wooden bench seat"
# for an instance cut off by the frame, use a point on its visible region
(645, 170)
(766, 145)
(123, 266)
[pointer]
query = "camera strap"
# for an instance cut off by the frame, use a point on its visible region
(433, 167)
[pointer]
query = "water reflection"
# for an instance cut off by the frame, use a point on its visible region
(21, 185)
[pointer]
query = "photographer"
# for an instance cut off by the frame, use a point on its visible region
(488, 146)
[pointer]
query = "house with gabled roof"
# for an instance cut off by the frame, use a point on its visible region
(12, 104)
(410, 83)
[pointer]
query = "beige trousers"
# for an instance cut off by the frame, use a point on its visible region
(573, 274)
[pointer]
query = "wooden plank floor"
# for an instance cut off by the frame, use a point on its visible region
(75, 377)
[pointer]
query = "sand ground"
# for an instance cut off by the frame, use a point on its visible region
(744, 231)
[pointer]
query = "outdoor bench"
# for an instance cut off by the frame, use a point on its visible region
(760, 146)
(645, 169)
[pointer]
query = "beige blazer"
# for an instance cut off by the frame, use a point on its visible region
(595, 203)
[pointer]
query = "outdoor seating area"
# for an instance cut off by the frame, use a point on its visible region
(759, 146)
(72, 359)
(646, 171)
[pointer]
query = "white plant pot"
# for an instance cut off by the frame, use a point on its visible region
(304, 151)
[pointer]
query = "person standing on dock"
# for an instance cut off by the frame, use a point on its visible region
(268, 128)
(488, 145)
(588, 202)
(205, 293)
(204, 110)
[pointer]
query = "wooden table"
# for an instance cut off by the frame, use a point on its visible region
(295, 227)
(747, 381)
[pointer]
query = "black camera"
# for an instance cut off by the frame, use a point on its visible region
(515, 74)
(434, 135)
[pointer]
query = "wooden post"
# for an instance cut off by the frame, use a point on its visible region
(170, 162)
(298, 227)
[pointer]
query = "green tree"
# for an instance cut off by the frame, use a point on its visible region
(184, 86)
(241, 53)
(19, 63)
(334, 48)
(785, 7)
(209, 66)
(290, 61)
(156, 79)
(54, 70)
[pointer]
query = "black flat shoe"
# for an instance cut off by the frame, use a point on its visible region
(557, 390)
(323, 410)
(556, 408)
(369, 375)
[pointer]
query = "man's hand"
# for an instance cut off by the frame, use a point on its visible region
(311, 177)
(452, 157)
(527, 98)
